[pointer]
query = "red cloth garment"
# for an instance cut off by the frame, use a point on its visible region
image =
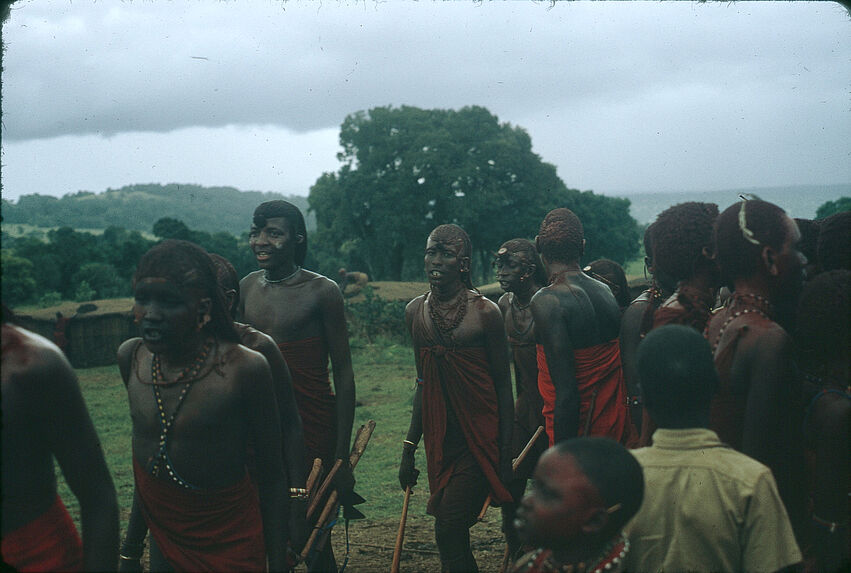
(598, 368)
(49, 542)
(458, 381)
(308, 363)
(204, 530)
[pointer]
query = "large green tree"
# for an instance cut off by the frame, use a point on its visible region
(406, 170)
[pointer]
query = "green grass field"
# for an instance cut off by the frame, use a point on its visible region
(384, 375)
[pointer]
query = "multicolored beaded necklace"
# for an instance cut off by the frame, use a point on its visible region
(516, 307)
(190, 374)
(760, 306)
(542, 561)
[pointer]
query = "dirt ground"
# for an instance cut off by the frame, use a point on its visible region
(371, 544)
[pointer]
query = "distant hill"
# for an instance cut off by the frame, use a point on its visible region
(798, 201)
(138, 207)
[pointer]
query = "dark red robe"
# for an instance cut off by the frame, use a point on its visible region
(308, 363)
(204, 530)
(460, 377)
(49, 542)
(598, 369)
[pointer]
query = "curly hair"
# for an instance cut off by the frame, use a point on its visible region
(741, 231)
(294, 218)
(189, 267)
(526, 250)
(822, 326)
(561, 238)
(451, 233)
(808, 245)
(834, 242)
(680, 234)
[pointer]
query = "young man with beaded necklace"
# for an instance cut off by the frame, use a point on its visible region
(577, 323)
(303, 312)
(757, 409)
(197, 399)
(520, 273)
(462, 405)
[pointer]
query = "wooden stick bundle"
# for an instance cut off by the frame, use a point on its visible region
(362, 437)
(514, 465)
(400, 536)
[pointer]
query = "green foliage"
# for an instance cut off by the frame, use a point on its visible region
(84, 292)
(376, 318)
(48, 299)
(18, 285)
(406, 170)
(832, 207)
(100, 278)
(137, 207)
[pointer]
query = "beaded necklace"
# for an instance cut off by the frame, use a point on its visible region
(760, 306)
(459, 307)
(190, 374)
(609, 560)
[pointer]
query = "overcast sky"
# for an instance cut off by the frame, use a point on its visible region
(620, 96)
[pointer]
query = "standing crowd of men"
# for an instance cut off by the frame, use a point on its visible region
(704, 426)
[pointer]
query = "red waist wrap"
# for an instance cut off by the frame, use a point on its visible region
(462, 377)
(49, 542)
(598, 368)
(206, 530)
(317, 405)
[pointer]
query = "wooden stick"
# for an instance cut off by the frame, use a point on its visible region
(313, 477)
(361, 440)
(506, 560)
(514, 465)
(323, 489)
(400, 536)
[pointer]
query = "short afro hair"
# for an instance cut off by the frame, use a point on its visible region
(189, 267)
(561, 238)
(294, 218)
(824, 320)
(527, 251)
(680, 234)
(451, 233)
(615, 473)
(738, 227)
(834, 242)
(677, 374)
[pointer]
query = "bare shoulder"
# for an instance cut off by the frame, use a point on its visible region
(30, 356)
(545, 300)
(250, 280)
(769, 336)
(126, 354)
(483, 304)
(412, 307)
(324, 287)
(504, 302)
(242, 359)
(256, 339)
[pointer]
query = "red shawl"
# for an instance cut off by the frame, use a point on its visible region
(206, 530)
(317, 405)
(462, 376)
(49, 542)
(598, 368)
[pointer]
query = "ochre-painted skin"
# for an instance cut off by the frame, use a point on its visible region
(227, 407)
(573, 312)
(44, 416)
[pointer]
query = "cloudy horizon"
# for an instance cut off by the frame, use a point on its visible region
(620, 97)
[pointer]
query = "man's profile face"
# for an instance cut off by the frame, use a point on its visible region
(273, 245)
(510, 269)
(443, 261)
(560, 501)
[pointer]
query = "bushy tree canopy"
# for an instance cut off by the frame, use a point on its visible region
(406, 170)
(832, 207)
